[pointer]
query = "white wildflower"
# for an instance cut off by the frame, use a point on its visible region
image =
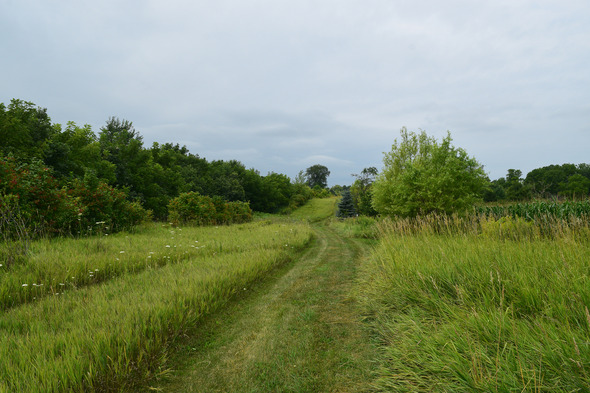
(25, 285)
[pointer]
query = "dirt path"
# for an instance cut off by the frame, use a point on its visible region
(297, 332)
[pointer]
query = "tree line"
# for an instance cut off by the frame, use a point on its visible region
(422, 175)
(72, 159)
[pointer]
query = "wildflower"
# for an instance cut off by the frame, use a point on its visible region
(0, 265)
(167, 245)
(121, 252)
(25, 285)
(62, 284)
(117, 259)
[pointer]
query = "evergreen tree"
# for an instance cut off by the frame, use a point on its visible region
(346, 206)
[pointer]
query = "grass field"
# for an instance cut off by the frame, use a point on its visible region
(497, 307)
(317, 209)
(100, 313)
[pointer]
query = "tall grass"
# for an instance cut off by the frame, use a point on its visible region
(107, 336)
(468, 305)
(58, 265)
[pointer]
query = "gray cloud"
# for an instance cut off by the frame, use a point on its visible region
(279, 84)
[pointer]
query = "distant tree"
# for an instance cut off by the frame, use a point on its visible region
(337, 189)
(317, 175)
(496, 190)
(346, 206)
(516, 190)
(422, 176)
(361, 191)
(576, 186)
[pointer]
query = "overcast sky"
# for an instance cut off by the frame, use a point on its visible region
(283, 85)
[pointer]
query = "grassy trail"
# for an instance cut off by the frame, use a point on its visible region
(297, 332)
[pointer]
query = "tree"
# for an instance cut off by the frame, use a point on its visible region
(24, 129)
(361, 191)
(422, 176)
(577, 186)
(516, 190)
(346, 206)
(317, 175)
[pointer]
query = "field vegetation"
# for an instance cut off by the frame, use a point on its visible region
(477, 304)
(104, 312)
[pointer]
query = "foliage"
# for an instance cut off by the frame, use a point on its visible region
(422, 176)
(48, 207)
(194, 208)
(317, 175)
(346, 206)
(566, 180)
(361, 191)
(24, 129)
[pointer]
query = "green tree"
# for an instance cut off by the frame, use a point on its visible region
(361, 191)
(317, 175)
(24, 129)
(576, 186)
(422, 176)
(75, 153)
(346, 206)
(516, 190)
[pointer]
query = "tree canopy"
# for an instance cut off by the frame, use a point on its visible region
(317, 175)
(422, 176)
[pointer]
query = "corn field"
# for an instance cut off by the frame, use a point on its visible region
(539, 210)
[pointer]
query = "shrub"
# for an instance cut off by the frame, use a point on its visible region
(194, 208)
(48, 207)
(107, 205)
(240, 212)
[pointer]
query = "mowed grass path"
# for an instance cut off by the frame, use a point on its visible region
(297, 332)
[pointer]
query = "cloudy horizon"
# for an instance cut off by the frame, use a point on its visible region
(283, 85)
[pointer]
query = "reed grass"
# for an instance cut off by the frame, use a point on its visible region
(109, 336)
(469, 304)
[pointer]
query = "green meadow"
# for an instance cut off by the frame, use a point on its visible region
(434, 304)
(476, 305)
(101, 313)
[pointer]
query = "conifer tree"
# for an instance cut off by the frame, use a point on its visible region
(346, 206)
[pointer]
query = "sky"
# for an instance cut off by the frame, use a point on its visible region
(281, 85)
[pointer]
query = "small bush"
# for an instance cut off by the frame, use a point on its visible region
(197, 209)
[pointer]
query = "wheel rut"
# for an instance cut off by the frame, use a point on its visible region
(299, 331)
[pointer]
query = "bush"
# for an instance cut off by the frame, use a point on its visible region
(197, 209)
(240, 212)
(106, 205)
(192, 207)
(51, 208)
